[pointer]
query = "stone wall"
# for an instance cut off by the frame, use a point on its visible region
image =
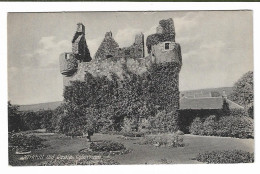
(79, 45)
(162, 65)
(165, 32)
(107, 48)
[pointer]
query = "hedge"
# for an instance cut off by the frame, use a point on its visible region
(226, 156)
(229, 126)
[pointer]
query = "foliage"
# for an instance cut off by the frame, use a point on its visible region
(27, 120)
(196, 127)
(164, 122)
(229, 126)
(133, 97)
(164, 140)
(17, 141)
(14, 119)
(31, 120)
(154, 39)
(209, 125)
(243, 91)
(76, 120)
(133, 134)
(232, 126)
(227, 156)
(107, 146)
(225, 108)
(238, 112)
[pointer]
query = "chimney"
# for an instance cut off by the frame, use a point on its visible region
(224, 95)
(80, 28)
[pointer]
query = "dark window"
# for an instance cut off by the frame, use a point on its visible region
(108, 56)
(167, 46)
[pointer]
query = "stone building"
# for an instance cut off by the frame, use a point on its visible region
(164, 56)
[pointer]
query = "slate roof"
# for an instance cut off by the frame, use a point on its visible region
(206, 103)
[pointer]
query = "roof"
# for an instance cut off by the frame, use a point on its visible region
(206, 103)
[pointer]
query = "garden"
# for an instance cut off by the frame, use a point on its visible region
(119, 122)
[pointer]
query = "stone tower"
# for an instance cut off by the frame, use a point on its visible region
(165, 53)
(69, 61)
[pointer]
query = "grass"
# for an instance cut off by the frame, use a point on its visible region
(59, 145)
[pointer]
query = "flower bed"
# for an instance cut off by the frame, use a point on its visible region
(227, 156)
(164, 140)
(106, 146)
(24, 142)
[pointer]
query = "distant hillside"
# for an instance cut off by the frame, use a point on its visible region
(206, 92)
(40, 106)
(188, 93)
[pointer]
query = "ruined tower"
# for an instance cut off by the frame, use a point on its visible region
(166, 56)
(164, 61)
(69, 61)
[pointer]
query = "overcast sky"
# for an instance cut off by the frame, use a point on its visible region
(216, 46)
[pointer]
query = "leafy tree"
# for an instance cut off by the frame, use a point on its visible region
(77, 120)
(243, 91)
(14, 118)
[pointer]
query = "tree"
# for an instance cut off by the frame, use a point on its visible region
(243, 91)
(76, 120)
(14, 119)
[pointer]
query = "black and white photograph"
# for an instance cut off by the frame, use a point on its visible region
(130, 88)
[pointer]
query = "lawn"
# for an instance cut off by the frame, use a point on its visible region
(142, 154)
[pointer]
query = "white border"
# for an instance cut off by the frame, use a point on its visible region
(122, 6)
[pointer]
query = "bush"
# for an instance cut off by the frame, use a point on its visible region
(209, 125)
(133, 134)
(239, 127)
(164, 122)
(31, 120)
(21, 141)
(230, 126)
(227, 156)
(15, 123)
(76, 121)
(168, 140)
(238, 112)
(106, 146)
(196, 127)
(179, 132)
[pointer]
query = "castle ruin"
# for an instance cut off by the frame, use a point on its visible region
(163, 52)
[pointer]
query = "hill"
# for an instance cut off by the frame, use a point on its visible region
(205, 92)
(40, 106)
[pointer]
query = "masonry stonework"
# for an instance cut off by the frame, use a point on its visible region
(164, 57)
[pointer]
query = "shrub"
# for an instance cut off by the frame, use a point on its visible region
(14, 118)
(76, 121)
(227, 156)
(106, 146)
(238, 112)
(239, 127)
(31, 120)
(17, 141)
(196, 126)
(179, 132)
(230, 126)
(45, 118)
(133, 134)
(164, 122)
(168, 140)
(209, 125)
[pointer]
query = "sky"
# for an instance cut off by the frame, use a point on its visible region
(217, 46)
